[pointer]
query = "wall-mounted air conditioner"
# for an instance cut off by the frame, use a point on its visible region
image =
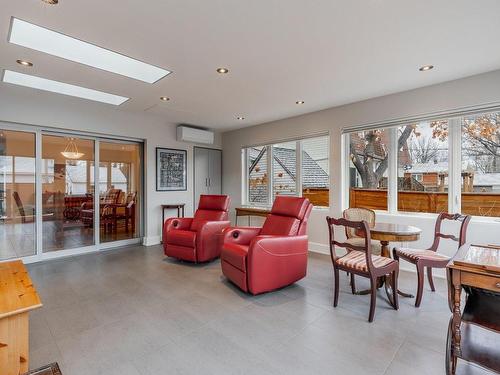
(195, 135)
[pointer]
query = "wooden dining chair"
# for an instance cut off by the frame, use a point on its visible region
(430, 258)
(360, 261)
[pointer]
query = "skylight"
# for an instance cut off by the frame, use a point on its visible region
(41, 39)
(61, 88)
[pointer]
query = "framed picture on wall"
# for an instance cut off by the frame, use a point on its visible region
(171, 169)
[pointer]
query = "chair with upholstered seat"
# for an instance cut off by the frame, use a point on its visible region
(360, 214)
(197, 239)
(260, 260)
(430, 258)
(359, 260)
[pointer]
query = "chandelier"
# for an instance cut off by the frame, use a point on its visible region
(71, 151)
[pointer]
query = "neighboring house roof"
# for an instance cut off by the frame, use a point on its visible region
(284, 168)
(313, 175)
(439, 167)
(487, 179)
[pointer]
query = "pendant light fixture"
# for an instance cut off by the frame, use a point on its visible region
(71, 151)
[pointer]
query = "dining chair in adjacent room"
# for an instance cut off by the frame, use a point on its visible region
(430, 258)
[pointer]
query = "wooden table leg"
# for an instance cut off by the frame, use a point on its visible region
(385, 252)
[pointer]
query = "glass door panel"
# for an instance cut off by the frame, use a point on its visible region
(67, 192)
(119, 190)
(17, 194)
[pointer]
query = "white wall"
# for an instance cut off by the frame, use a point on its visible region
(472, 91)
(27, 106)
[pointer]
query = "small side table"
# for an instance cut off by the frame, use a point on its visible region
(180, 211)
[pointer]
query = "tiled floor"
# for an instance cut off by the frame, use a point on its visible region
(18, 239)
(131, 311)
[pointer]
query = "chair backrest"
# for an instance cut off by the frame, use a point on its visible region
(19, 203)
(358, 214)
(112, 196)
(438, 234)
(288, 217)
(363, 231)
(211, 208)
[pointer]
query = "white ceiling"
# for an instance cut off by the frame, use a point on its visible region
(325, 52)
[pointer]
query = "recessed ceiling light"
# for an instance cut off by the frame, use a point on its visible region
(44, 40)
(426, 68)
(240, 118)
(164, 98)
(222, 70)
(24, 63)
(61, 88)
(51, 2)
(299, 102)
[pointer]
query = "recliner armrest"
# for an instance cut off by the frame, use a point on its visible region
(182, 223)
(280, 245)
(241, 235)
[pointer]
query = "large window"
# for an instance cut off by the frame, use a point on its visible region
(480, 173)
(369, 153)
(277, 169)
(441, 165)
(423, 167)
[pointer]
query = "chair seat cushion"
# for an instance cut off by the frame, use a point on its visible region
(235, 255)
(417, 254)
(179, 237)
(359, 241)
(356, 260)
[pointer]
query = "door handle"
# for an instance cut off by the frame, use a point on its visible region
(206, 181)
(209, 182)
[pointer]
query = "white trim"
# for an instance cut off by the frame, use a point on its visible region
(38, 195)
(316, 247)
(290, 139)
(151, 240)
(392, 171)
(455, 164)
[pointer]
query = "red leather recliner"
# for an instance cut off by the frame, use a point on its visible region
(259, 260)
(195, 239)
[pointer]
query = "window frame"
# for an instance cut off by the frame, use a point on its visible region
(455, 122)
(270, 180)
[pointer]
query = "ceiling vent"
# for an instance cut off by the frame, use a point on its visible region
(194, 135)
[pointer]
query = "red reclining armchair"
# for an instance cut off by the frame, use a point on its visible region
(195, 239)
(259, 260)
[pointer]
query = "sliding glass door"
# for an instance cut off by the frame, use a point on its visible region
(119, 190)
(17, 194)
(67, 192)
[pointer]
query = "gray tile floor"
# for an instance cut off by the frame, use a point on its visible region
(131, 311)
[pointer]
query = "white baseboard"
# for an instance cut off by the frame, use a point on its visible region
(152, 240)
(316, 247)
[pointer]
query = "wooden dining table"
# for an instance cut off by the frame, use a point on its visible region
(386, 233)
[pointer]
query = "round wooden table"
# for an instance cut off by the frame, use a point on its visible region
(385, 233)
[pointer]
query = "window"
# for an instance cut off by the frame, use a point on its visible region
(423, 167)
(285, 169)
(368, 151)
(289, 175)
(258, 179)
(442, 165)
(480, 175)
(315, 171)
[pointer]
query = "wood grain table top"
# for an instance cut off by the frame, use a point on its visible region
(17, 293)
(395, 229)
